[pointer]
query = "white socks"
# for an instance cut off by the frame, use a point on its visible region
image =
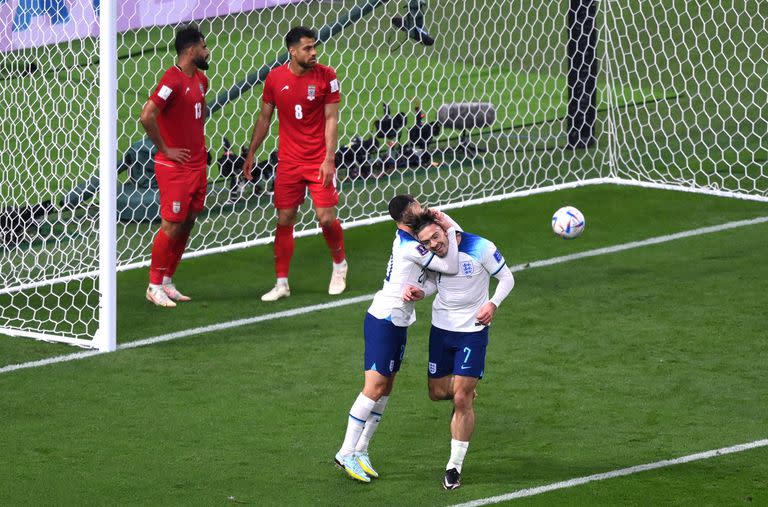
(167, 280)
(458, 451)
(371, 424)
(340, 266)
(358, 415)
(282, 281)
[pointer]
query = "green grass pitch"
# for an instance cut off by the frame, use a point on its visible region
(519, 66)
(594, 365)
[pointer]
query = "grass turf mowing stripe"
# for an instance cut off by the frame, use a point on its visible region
(523, 493)
(351, 301)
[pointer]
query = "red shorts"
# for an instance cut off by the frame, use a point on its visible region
(292, 182)
(182, 190)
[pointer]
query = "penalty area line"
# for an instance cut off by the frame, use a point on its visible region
(523, 493)
(351, 301)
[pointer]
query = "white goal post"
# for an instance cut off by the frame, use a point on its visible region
(456, 101)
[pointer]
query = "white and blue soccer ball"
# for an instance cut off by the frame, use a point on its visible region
(568, 222)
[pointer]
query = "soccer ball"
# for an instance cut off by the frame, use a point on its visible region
(568, 222)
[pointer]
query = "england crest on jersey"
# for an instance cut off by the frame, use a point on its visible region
(311, 89)
(466, 268)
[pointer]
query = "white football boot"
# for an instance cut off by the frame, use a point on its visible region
(338, 279)
(278, 291)
(157, 295)
(173, 293)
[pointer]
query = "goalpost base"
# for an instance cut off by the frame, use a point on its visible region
(52, 338)
(693, 190)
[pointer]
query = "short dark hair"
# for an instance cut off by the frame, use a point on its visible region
(398, 204)
(295, 34)
(187, 36)
(418, 221)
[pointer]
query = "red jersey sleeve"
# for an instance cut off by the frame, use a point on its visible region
(334, 91)
(166, 92)
(268, 95)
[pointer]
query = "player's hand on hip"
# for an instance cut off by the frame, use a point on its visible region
(486, 313)
(327, 172)
(248, 168)
(412, 293)
(180, 155)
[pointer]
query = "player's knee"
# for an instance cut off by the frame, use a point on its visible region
(286, 216)
(172, 229)
(375, 390)
(463, 399)
(438, 392)
(326, 221)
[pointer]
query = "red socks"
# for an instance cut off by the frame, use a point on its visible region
(178, 247)
(166, 255)
(162, 257)
(284, 244)
(334, 237)
(283, 250)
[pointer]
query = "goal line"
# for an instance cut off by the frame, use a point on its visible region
(360, 299)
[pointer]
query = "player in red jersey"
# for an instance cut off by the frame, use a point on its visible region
(306, 95)
(174, 118)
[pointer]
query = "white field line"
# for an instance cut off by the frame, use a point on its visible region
(613, 474)
(190, 332)
(351, 301)
(637, 244)
(310, 232)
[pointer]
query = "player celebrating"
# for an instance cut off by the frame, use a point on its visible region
(174, 118)
(306, 95)
(385, 329)
(461, 315)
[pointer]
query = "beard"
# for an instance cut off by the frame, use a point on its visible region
(201, 63)
(307, 64)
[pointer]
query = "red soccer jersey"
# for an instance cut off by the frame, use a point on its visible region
(300, 102)
(181, 100)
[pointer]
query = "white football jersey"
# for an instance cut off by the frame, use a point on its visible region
(407, 266)
(459, 297)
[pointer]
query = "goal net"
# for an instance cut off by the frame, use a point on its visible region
(454, 101)
(702, 121)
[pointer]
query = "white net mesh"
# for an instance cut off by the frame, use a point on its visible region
(680, 100)
(704, 120)
(483, 53)
(49, 98)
